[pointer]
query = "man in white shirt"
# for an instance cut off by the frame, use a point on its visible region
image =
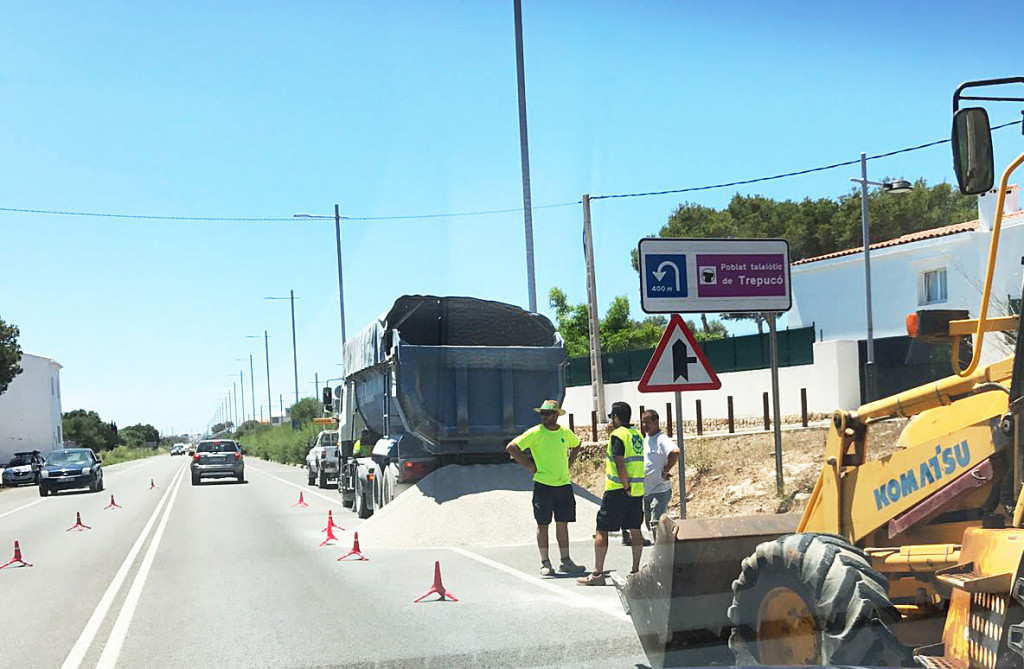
(660, 457)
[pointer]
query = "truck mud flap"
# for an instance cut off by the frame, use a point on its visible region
(679, 600)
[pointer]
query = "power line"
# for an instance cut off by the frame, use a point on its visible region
(786, 174)
(491, 212)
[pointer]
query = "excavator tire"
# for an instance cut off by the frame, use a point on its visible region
(813, 599)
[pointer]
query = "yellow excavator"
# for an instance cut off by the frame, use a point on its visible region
(912, 559)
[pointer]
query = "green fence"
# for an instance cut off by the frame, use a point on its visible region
(732, 354)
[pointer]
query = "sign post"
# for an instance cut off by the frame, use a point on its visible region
(717, 275)
(678, 364)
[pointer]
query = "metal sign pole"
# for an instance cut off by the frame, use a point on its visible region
(776, 412)
(682, 454)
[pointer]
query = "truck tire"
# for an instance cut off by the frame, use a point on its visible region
(812, 599)
(322, 482)
(359, 503)
(310, 476)
(390, 481)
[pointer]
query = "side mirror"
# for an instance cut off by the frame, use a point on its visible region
(327, 398)
(972, 151)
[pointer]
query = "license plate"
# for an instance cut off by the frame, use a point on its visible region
(64, 479)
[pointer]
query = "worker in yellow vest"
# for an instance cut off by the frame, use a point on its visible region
(361, 449)
(622, 506)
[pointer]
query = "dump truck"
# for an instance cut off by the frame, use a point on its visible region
(437, 381)
(912, 558)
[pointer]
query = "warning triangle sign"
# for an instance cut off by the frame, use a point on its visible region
(678, 363)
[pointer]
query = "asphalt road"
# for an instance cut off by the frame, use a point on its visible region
(229, 575)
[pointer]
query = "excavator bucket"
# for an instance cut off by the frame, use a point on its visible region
(679, 600)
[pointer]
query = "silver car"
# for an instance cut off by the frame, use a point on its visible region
(221, 458)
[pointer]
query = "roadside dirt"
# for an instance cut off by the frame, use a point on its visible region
(734, 475)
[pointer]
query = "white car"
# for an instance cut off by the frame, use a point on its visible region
(322, 459)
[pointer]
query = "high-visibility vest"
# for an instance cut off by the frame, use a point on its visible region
(357, 449)
(634, 458)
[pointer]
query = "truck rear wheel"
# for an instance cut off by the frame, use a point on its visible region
(362, 509)
(323, 480)
(812, 599)
(310, 476)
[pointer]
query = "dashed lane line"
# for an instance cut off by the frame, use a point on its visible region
(85, 639)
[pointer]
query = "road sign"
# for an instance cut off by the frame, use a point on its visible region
(324, 421)
(678, 363)
(714, 275)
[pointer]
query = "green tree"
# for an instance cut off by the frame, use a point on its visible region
(86, 429)
(146, 433)
(10, 355)
(618, 331)
(817, 227)
(305, 410)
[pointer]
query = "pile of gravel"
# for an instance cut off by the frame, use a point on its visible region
(476, 505)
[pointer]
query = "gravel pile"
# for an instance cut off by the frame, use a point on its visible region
(477, 505)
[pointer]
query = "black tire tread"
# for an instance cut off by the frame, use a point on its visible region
(848, 597)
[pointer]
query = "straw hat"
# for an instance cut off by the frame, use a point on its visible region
(550, 405)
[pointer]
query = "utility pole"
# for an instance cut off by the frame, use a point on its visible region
(341, 283)
(295, 350)
(270, 402)
(252, 387)
(596, 373)
(234, 390)
(241, 384)
(524, 149)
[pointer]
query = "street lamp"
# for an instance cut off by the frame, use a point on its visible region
(266, 350)
(897, 186)
(241, 384)
(341, 285)
(295, 354)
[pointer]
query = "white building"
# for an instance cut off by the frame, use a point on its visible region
(30, 410)
(943, 268)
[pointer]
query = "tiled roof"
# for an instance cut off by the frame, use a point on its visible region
(967, 226)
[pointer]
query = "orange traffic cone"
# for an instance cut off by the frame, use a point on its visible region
(301, 502)
(78, 524)
(355, 550)
(112, 505)
(152, 485)
(331, 523)
(438, 587)
(330, 536)
(17, 558)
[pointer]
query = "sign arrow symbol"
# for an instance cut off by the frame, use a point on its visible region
(659, 274)
(681, 361)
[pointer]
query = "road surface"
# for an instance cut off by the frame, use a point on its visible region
(229, 575)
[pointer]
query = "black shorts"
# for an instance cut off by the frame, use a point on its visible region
(551, 500)
(620, 512)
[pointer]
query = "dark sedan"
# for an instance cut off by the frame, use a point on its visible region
(70, 468)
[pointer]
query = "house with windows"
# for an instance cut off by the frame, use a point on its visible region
(942, 268)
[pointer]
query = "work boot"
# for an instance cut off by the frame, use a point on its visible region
(591, 579)
(570, 567)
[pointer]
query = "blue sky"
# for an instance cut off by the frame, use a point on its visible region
(265, 109)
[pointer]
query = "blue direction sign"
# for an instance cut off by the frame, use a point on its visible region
(666, 275)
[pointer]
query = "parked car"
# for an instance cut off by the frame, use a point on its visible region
(322, 459)
(23, 468)
(70, 468)
(220, 458)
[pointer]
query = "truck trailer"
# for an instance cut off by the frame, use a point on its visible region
(437, 381)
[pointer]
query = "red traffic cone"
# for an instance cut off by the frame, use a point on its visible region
(17, 558)
(301, 502)
(78, 524)
(355, 550)
(152, 485)
(330, 536)
(438, 587)
(112, 505)
(331, 523)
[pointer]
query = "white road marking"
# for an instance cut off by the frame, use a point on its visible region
(85, 639)
(332, 500)
(112, 649)
(575, 599)
(21, 508)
